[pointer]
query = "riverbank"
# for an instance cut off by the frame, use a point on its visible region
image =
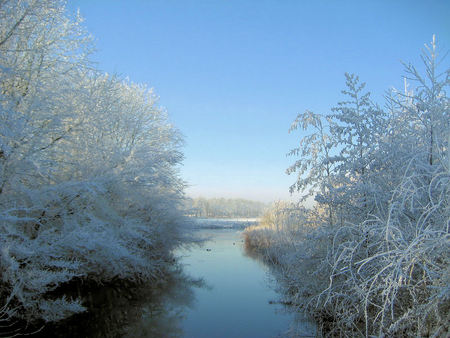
(102, 266)
(348, 282)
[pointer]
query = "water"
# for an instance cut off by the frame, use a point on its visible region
(220, 292)
(224, 223)
(237, 302)
(236, 298)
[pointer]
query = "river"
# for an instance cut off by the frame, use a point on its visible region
(216, 291)
(239, 298)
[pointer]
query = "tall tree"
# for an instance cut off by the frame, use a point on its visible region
(360, 125)
(316, 166)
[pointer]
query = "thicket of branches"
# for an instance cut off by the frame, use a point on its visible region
(377, 243)
(89, 185)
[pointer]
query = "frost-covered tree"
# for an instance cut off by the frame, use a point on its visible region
(338, 162)
(41, 52)
(422, 114)
(317, 163)
(385, 272)
(89, 183)
(359, 128)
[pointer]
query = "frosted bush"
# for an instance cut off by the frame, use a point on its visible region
(375, 258)
(396, 269)
(89, 184)
(43, 249)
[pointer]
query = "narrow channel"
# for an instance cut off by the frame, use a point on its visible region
(238, 299)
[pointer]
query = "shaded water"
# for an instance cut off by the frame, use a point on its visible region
(227, 294)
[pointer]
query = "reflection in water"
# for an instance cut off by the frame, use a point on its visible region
(164, 318)
(302, 325)
(232, 299)
(241, 302)
(132, 312)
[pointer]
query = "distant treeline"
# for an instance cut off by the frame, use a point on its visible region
(224, 207)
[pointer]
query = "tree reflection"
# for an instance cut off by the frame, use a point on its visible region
(133, 311)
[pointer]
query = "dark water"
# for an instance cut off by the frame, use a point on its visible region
(217, 292)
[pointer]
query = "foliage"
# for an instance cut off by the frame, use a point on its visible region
(89, 185)
(377, 243)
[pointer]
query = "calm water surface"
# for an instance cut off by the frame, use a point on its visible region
(236, 301)
(218, 292)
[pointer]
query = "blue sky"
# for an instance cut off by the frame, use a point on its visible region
(233, 74)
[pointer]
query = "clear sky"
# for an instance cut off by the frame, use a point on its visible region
(233, 74)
